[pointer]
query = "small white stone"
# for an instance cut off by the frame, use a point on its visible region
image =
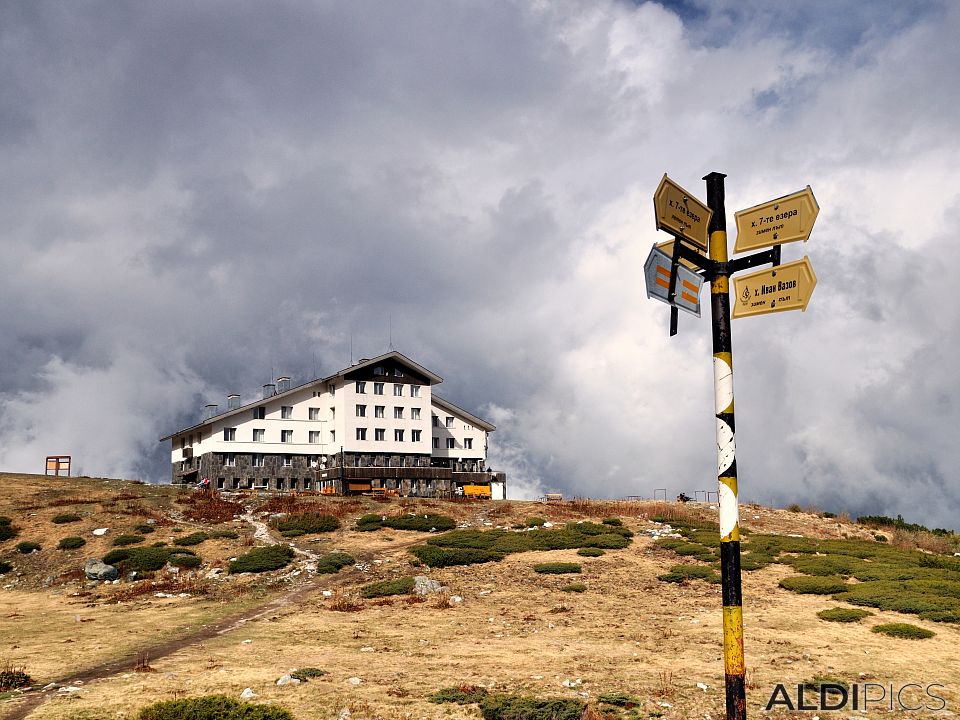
(702, 686)
(247, 642)
(100, 531)
(354, 681)
(247, 694)
(366, 649)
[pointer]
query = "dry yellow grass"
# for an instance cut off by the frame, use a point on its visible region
(514, 631)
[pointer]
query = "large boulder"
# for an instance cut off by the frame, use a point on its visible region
(423, 585)
(97, 570)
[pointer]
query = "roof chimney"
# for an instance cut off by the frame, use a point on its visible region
(209, 411)
(269, 390)
(233, 401)
(283, 384)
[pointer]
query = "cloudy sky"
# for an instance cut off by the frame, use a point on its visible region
(195, 196)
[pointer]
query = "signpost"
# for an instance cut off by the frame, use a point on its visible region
(785, 287)
(672, 271)
(784, 220)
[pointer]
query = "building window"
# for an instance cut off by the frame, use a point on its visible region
(256, 460)
(333, 436)
(468, 444)
(451, 443)
(398, 413)
(378, 434)
(378, 388)
(314, 436)
(258, 434)
(414, 413)
(361, 433)
(414, 436)
(333, 413)
(379, 371)
(286, 412)
(313, 413)
(414, 391)
(378, 411)
(398, 435)
(449, 422)
(361, 387)
(286, 436)
(183, 443)
(230, 460)
(260, 413)
(436, 443)
(398, 390)
(436, 421)
(229, 434)
(397, 372)
(331, 388)
(361, 410)
(288, 460)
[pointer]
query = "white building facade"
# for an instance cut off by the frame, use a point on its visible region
(374, 425)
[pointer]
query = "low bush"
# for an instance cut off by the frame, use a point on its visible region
(903, 630)
(12, 678)
(518, 707)
(613, 521)
(225, 535)
(263, 559)
(438, 557)
(212, 707)
(4, 520)
(590, 552)
(574, 588)
(71, 543)
(7, 530)
(142, 559)
(824, 564)
(806, 585)
(681, 573)
(421, 523)
(534, 521)
(369, 522)
(308, 523)
(145, 528)
(123, 540)
(304, 674)
(843, 615)
(332, 563)
(5, 567)
(461, 695)
(400, 586)
(27, 546)
(66, 518)
(557, 568)
(608, 542)
(619, 699)
(191, 539)
(184, 561)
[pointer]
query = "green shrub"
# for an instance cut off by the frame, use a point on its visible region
(535, 521)
(123, 540)
(332, 563)
(806, 585)
(191, 539)
(304, 674)
(12, 678)
(613, 521)
(225, 534)
(184, 561)
(5, 567)
(212, 707)
(159, 543)
(828, 515)
(608, 542)
(517, 707)
(556, 568)
(590, 552)
(27, 546)
(824, 564)
(307, 523)
(66, 518)
(145, 528)
(574, 588)
(4, 520)
(461, 695)
(8, 531)
(142, 559)
(369, 522)
(263, 559)
(903, 630)
(879, 538)
(944, 616)
(71, 543)
(438, 557)
(421, 523)
(400, 586)
(680, 573)
(843, 615)
(619, 699)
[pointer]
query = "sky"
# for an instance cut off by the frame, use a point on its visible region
(198, 197)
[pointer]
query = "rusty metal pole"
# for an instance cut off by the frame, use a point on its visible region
(733, 660)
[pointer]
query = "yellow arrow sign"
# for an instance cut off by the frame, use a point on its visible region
(785, 287)
(680, 213)
(783, 220)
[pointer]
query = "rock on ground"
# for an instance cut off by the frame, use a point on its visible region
(96, 570)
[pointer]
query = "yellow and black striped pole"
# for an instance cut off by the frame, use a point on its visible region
(733, 662)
